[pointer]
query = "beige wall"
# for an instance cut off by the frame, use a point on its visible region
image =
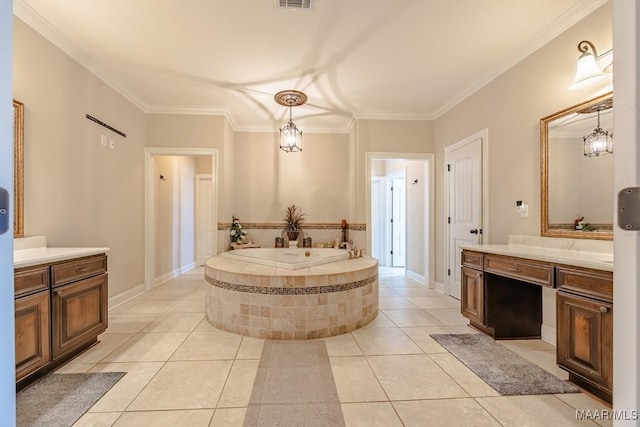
(510, 108)
(77, 192)
(416, 215)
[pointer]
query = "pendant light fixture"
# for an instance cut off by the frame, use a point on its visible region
(290, 135)
(599, 142)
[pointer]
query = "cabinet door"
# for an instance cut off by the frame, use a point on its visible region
(585, 338)
(33, 348)
(79, 313)
(472, 298)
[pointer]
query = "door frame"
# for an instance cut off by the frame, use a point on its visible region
(199, 178)
(150, 195)
(484, 136)
(429, 242)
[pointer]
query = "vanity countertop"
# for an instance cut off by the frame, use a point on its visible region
(30, 251)
(573, 257)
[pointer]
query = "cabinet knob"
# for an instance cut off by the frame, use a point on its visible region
(603, 309)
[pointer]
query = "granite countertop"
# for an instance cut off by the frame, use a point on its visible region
(573, 257)
(29, 251)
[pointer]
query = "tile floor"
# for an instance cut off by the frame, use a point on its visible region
(183, 372)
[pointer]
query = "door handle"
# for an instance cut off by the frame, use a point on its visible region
(474, 231)
(4, 210)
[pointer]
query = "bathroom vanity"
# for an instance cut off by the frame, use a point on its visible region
(502, 287)
(60, 305)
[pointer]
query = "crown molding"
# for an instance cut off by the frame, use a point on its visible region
(392, 116)
(36, 21)
(572, 16)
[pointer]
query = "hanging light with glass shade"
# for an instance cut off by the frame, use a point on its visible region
(598, 142)
(588, 67)
(290, 135)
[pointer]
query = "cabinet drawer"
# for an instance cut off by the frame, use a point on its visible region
(517, 268)
(30, 280)
(72, 271)
(593, 283)
(472, 259)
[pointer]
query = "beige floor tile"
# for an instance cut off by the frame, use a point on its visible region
(541, 410)
(129, 323)
(75, 368)
(448, 316)
(399, 282)
(417, 292)
(403, 318)
(148, 347)
(174, 294)
(387, 292)
(384, 341)
(198, 295)
(539, 352)
(464, 329)
(150, 306)
(184, 385)
(584, 402)
(421, 336)
(120, 396)
(181, 322)
(355, 381)
(444, 412)
(121, 308)
(189, 306)
(205, 326)
(389, 303)
(415, 376)
(231, 417)
(250, 348)
(106, 345)
(381, 321)
(434, 301)
(191, 418)
(374, 414)
(237, 389)
(342, 345)
(208, 346)
(104, 419)
(464, 376)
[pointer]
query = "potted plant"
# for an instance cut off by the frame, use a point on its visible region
(293, 220)
(237, 233)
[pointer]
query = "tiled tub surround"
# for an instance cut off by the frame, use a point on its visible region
(277, 303)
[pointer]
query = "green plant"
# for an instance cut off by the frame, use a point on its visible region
(237, 233)
(293, 219)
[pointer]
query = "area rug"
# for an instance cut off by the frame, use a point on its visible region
(59, 400)
(294, 386)
(505, 371)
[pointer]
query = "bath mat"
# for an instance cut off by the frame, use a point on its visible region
(59, 400)
(294, 386)
(507, 372)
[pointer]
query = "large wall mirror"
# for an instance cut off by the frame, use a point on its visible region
(577, 186)
(18, 168)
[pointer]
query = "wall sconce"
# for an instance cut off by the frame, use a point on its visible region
(290, 135)
(587, 69)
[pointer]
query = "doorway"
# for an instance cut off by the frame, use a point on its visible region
(400, 221)
(162, 260)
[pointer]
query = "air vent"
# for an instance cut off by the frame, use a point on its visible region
(295, 4)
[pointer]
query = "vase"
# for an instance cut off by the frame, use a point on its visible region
(293, 235)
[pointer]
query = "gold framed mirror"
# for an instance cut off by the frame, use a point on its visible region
(18, 168)
(576, 184)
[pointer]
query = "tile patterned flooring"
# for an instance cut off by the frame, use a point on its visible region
(183, 372)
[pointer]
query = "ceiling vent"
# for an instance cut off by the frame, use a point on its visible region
(295, 4)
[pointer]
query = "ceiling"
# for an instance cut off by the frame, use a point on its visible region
(387, 59)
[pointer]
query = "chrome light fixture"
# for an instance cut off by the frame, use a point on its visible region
(290, 135)
(587, 69)
(598, 142)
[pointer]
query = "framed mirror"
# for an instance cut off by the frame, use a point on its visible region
(18, 168)
(577, 171)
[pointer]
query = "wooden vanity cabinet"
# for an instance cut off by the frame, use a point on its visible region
(60, 309)
(472, 287)
(585, 328)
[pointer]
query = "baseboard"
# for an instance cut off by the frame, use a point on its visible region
(172, 274)
(438, 287)
(548, 334)
(187, 267)
(415, 276)
(125, 296)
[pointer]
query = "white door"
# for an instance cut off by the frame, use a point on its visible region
(464, 166)
(399, 221)
(204, 218)
(7, 333)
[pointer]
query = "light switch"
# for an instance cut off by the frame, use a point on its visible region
(103, 140)
(112, 144)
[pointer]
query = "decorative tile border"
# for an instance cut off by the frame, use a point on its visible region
(310, 290)
(223, 226)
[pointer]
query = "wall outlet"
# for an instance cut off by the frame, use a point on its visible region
(112, 144)
(103, 140)
(524, 210)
